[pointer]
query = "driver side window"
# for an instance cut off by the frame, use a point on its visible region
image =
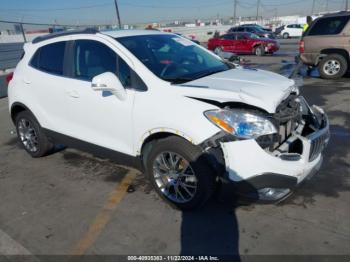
(92, 58)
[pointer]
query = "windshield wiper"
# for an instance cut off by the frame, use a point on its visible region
(183, 79)
(177, 80)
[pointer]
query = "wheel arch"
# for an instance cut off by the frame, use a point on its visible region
(16, 108)
(256, 45)
(159, 133)
(330, 51)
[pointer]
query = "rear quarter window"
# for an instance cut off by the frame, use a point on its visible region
(49, 58)
(329, 26)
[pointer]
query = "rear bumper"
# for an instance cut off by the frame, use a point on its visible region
(255, 172)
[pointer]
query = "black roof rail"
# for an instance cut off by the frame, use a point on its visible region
(72, 32)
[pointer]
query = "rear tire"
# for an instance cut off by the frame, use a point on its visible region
(333, 66)
(285, 36)
(198, 175)
(31, 135)
(259, 50)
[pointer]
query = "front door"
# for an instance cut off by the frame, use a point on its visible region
(95, 116)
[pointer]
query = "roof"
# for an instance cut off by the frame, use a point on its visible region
(123, 33)
(112, 33)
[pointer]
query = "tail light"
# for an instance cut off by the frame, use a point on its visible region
(9, 78)
(302, 47)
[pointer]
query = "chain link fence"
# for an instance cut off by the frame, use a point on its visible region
(14, 34)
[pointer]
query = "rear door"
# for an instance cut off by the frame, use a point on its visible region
(291, 30)
(242, 45)
(228, 42)
(46, 81)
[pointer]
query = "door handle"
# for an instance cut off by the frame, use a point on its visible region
(73, 94)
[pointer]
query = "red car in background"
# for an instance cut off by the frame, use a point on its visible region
(243, 43)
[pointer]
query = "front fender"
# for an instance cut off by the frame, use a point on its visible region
(170, 113)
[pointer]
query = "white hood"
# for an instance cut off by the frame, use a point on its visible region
(259, 88)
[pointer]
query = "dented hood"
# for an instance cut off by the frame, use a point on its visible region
(258, 88)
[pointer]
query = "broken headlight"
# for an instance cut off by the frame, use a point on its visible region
(240, 123)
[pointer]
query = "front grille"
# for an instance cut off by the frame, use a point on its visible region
(287, 116)
(317, 145)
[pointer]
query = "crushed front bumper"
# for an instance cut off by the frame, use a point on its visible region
(273, 175)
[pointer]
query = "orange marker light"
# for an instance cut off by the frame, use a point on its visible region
(221, 124)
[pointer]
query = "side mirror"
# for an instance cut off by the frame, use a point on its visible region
(109, 82)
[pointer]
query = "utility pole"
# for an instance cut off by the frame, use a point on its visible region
(235, 12)
(276, 13)
(117, 11)
(346, 5)
(257, 10)
(313, 7)
(327, 5)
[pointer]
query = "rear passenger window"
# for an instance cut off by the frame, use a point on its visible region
(329, 26)
(228, 37)
(49, 58)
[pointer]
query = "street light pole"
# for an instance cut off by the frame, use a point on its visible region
(257, 10)
(235, 12)
(118, 16)
(346, 5)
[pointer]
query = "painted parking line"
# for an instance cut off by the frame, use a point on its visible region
(105, 215)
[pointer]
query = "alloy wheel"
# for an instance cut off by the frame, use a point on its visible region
(28, 135)
(332, 67)
(175, 177)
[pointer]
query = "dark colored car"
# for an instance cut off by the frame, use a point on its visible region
(326, 45)
(254, 30)
(243, 43)
(258, 26)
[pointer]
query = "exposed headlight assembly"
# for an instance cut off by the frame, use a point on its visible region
(240, 123)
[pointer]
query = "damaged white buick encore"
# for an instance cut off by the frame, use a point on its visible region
(164, 104)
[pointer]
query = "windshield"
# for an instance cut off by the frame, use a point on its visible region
(173, 58)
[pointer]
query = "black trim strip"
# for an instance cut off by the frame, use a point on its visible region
(73, 32)
(98, 151)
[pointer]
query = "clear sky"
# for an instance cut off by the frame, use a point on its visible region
(139, 11)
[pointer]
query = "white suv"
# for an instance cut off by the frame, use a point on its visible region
(164, 104)
(292, 30)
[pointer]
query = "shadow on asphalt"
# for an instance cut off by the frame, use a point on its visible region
(213, 229)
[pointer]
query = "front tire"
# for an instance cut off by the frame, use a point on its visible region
(179, 172)
(31, 135)
(333, 66)
(259, 50)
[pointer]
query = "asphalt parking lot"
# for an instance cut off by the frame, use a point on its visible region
(73, 203)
